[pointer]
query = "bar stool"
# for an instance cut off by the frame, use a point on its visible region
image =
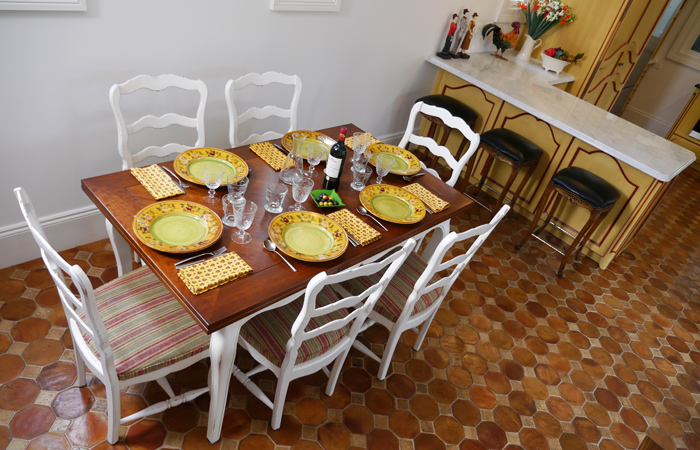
(455, 108)
(512, 149)
(582, 188)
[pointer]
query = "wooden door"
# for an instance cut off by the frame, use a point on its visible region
(630, 37)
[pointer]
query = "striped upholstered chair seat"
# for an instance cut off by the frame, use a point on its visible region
(148, 329)
(393, 301)
(269, 332)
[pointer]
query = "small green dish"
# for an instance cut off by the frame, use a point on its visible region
(332, 194)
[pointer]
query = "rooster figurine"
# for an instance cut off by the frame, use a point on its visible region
(502, 41)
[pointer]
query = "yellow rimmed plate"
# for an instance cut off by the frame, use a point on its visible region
(308, 236)
(405, 163)
(189, 164)
(177, 227)
(288, 141)
(392, 203)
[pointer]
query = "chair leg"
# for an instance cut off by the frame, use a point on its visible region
(527, 176)
(114, 412)
(335, 372)
(550, 215)
(574, 244)
(80, 368)
(485, 171)
(278, 404)
(389, 349)
(424, 330)
(502, 196)
(461, 185)
(589, 232)
(536, 218)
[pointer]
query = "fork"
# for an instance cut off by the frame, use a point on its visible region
(177, 179)
(217, 252)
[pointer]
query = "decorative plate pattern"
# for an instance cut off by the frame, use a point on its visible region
(177, 227)
(392, 203)
(308, 236)
(405, 163)
(188, 164)
(288, 141)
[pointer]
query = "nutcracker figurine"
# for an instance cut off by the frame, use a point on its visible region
(468, 37)
(445, 53)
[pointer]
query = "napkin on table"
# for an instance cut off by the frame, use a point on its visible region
(269, 154)
(359, 230)
(431, 200)
(214, 272)
(156, 181)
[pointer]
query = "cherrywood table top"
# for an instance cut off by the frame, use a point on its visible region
(119, 196)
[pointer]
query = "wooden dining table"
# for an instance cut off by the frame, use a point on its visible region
(223, 310)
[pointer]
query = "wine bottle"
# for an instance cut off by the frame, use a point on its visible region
(336, 162)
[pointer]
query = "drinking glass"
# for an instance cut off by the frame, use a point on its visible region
(384, 163)
(244, 219)
(315, 151)
(294, 162)
(360, 141)
(360, 176)
(213, 174)
(236, 186)
(274, 195)
(301, 188)
(228, 203)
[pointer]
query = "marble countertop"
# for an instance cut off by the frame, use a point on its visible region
(528, 87)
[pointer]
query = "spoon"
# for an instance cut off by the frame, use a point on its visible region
(270, 246)
(362, 210)
(415, 175)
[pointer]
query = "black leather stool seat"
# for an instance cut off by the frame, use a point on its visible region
(586, 186)
(511, 145)
(455, 107)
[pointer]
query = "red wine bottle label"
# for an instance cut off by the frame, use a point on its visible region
(333, 166)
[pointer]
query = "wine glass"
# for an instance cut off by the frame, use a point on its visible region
(213, 174)
(384, 164)
(237, 186)
(315, 151)
(244, 214)
(301, 188)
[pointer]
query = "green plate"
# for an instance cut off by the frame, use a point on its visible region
(392, 203)
(288, 141)
(332, 194)
(308, 236)
(190, 164)
(177, 227)
(405, 163)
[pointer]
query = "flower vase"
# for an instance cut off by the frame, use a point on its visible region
(553, 64)
(528, 46)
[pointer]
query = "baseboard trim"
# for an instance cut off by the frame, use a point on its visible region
(64, 230)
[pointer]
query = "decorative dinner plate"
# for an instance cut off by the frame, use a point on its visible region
(177, 227)
(392, 203)
(308, 236)
(190, 164)
(288, 141)
(405, 163)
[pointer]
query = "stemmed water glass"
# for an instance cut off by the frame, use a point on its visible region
(301, 188)
(384, 163)
(244, 214)
(315, 151)
(360, 141)
(213, 174)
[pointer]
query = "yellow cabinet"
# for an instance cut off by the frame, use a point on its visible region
(680, 133)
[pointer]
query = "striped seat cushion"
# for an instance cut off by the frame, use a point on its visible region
(393, 300)
(269, 332)
(148, 329)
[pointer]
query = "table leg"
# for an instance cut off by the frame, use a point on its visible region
(122, 250)
(222, 352)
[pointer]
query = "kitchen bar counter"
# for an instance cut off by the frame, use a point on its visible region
(522, 97)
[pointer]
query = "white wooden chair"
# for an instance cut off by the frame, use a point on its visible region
(128, 331)
(156, 84)
(236, 119)
(308, 334)
(416, 291)
(452, 122)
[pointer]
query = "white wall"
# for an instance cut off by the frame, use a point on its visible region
(57, 67)
(666, 87)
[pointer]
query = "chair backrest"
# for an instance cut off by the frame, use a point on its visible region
(156, 84)
(432, 146)
(74, 305)
(299, 333)
(236, 118)
(436, 263)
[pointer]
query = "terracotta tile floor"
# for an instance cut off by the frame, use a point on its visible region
(515, 358)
